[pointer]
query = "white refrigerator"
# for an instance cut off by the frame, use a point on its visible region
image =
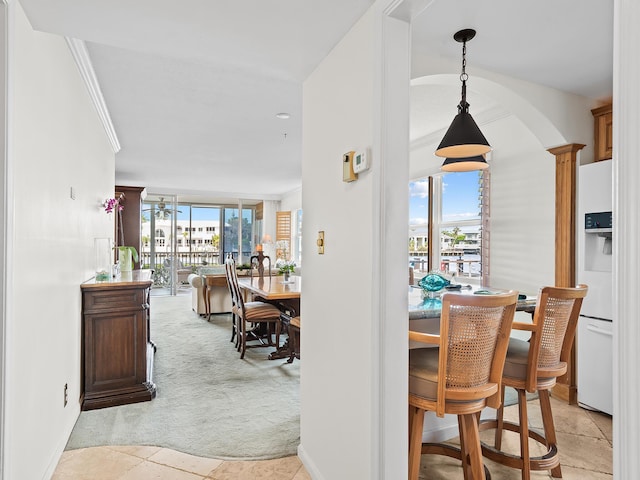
(594, 262)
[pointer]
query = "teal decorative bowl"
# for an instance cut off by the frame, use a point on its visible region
(433, 282)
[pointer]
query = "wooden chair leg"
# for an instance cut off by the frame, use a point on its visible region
(499, 422)
(549, 428)
(241, 332)
(415, 442)
(233, 327)
(464, 453)
(524, 435)
(472, 446)
(238, 327)
(270, 333)
(243, 341)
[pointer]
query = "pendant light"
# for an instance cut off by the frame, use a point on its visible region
(464, 140)
(464, 164)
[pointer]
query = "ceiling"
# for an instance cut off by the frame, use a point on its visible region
(193, 87)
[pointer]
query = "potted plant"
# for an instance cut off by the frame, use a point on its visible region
(127, 255)
(286, 267)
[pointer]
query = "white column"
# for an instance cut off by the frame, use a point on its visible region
(626, 175)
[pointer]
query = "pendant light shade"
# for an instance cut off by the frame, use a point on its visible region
(463, 139)
(465, 164)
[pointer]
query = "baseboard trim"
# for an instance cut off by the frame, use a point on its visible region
(308, 463)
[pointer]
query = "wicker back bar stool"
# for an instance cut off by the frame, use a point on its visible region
(532, 366)
(460, 374)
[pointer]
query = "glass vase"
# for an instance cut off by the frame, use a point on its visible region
(126, 261)
(103, 251)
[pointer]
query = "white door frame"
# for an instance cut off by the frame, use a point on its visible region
(6, 221)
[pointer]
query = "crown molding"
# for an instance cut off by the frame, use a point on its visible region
(81, 57)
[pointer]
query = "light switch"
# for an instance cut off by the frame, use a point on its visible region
(320, 242)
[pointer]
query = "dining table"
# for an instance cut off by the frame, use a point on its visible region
(425, 308)
(285, 294)
(272, 288)
(422, 304)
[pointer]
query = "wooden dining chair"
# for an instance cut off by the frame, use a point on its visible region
(533, 366)
(250, 315)
(460, 374)
(229, 264)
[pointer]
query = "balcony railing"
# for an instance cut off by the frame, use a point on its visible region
(468, 268)
(187, 259)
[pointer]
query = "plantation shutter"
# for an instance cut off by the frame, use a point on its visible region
(283, 234)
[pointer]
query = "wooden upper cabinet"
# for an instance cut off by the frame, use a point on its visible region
(603, 133)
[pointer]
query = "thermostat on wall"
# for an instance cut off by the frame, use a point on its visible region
(360, 161)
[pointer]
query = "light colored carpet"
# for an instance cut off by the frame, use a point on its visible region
(209, 402)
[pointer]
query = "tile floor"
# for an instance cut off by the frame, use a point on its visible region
(155, 463)
(584, 441)
(585, 445)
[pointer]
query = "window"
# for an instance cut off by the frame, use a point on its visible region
(457, 220)
(419, 225)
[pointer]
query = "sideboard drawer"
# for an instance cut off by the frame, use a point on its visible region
(114, 299)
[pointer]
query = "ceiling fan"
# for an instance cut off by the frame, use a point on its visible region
(161, 211)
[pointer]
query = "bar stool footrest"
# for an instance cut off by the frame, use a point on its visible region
(448, 451)
(548, 461)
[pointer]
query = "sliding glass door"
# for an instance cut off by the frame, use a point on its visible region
(238, 233)
(160, 216)
(177, 238)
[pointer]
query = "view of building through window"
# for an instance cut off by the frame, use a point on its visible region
(194, 234)
(457, 217)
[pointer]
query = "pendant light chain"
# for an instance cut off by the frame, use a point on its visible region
(464, 106)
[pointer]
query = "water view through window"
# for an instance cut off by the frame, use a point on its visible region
(457, 221)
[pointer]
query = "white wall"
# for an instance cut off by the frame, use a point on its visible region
(292, 200)
(522, 211)
(353, 415)
(56, 142)
(335, 388)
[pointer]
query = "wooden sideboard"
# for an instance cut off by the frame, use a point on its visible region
(117, 351)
